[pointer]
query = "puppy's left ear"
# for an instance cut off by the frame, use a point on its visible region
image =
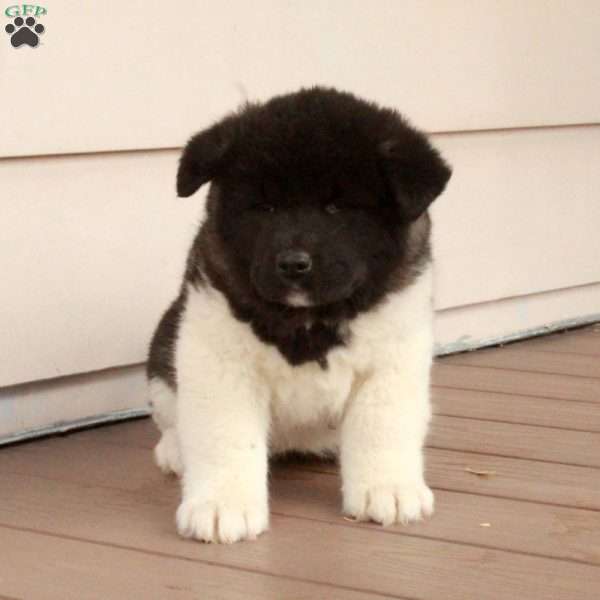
(204, 156)
(415, 172)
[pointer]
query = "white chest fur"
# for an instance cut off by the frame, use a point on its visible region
(307, 402)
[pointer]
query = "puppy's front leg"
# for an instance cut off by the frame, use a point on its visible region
(382, 438)
(222, 425)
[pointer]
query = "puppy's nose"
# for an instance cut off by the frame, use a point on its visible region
(293, 264)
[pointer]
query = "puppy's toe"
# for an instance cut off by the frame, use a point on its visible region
(413, 503)
(234, 526)
(212, 522)
(380, 506)
(388, 504)
(196, 520)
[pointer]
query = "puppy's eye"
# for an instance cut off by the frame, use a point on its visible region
(332, 208)
(264, 207)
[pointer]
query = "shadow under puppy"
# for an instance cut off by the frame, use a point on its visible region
(304, 320)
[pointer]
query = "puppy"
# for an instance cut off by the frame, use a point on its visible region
(304, 320)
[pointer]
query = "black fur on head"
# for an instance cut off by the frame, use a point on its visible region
(414, 171)
(317, 210)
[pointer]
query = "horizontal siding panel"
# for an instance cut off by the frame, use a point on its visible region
(93, 255)
(138, 75)
(520, 214)
(97, 244)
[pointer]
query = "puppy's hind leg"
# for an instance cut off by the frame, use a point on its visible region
(163, 400)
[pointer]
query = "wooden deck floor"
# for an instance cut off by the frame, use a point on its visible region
(89, 516)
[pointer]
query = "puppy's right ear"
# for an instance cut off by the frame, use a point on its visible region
(204, 156)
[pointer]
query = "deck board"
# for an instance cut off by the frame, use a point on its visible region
(108, 572)
(520, 359)
(507, 381)
(512, 408)
(519, 441)
(584, 341)
(87, 515)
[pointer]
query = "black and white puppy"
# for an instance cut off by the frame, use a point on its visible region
(304, 321)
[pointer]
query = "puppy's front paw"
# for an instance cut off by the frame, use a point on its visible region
(387, 504)
(222, 522)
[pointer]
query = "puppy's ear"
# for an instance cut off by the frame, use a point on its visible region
(415, 172)
(204, 156)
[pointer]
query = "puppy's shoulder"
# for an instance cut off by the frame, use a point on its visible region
(401, 317)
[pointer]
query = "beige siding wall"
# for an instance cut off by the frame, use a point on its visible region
(144, 73)
(520, 215)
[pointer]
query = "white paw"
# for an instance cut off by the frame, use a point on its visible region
(222, 522)
(387, 504)
(167, 453)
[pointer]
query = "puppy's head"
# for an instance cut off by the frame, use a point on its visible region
(314, 194)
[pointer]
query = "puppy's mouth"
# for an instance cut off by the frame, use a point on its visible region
(298, 299)
(308, 293)
(294, 296)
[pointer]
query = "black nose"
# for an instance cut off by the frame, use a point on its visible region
(293, 264)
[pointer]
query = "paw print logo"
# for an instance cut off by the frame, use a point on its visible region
(24, 32)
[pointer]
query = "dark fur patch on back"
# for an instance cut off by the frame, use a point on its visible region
(161, 362)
